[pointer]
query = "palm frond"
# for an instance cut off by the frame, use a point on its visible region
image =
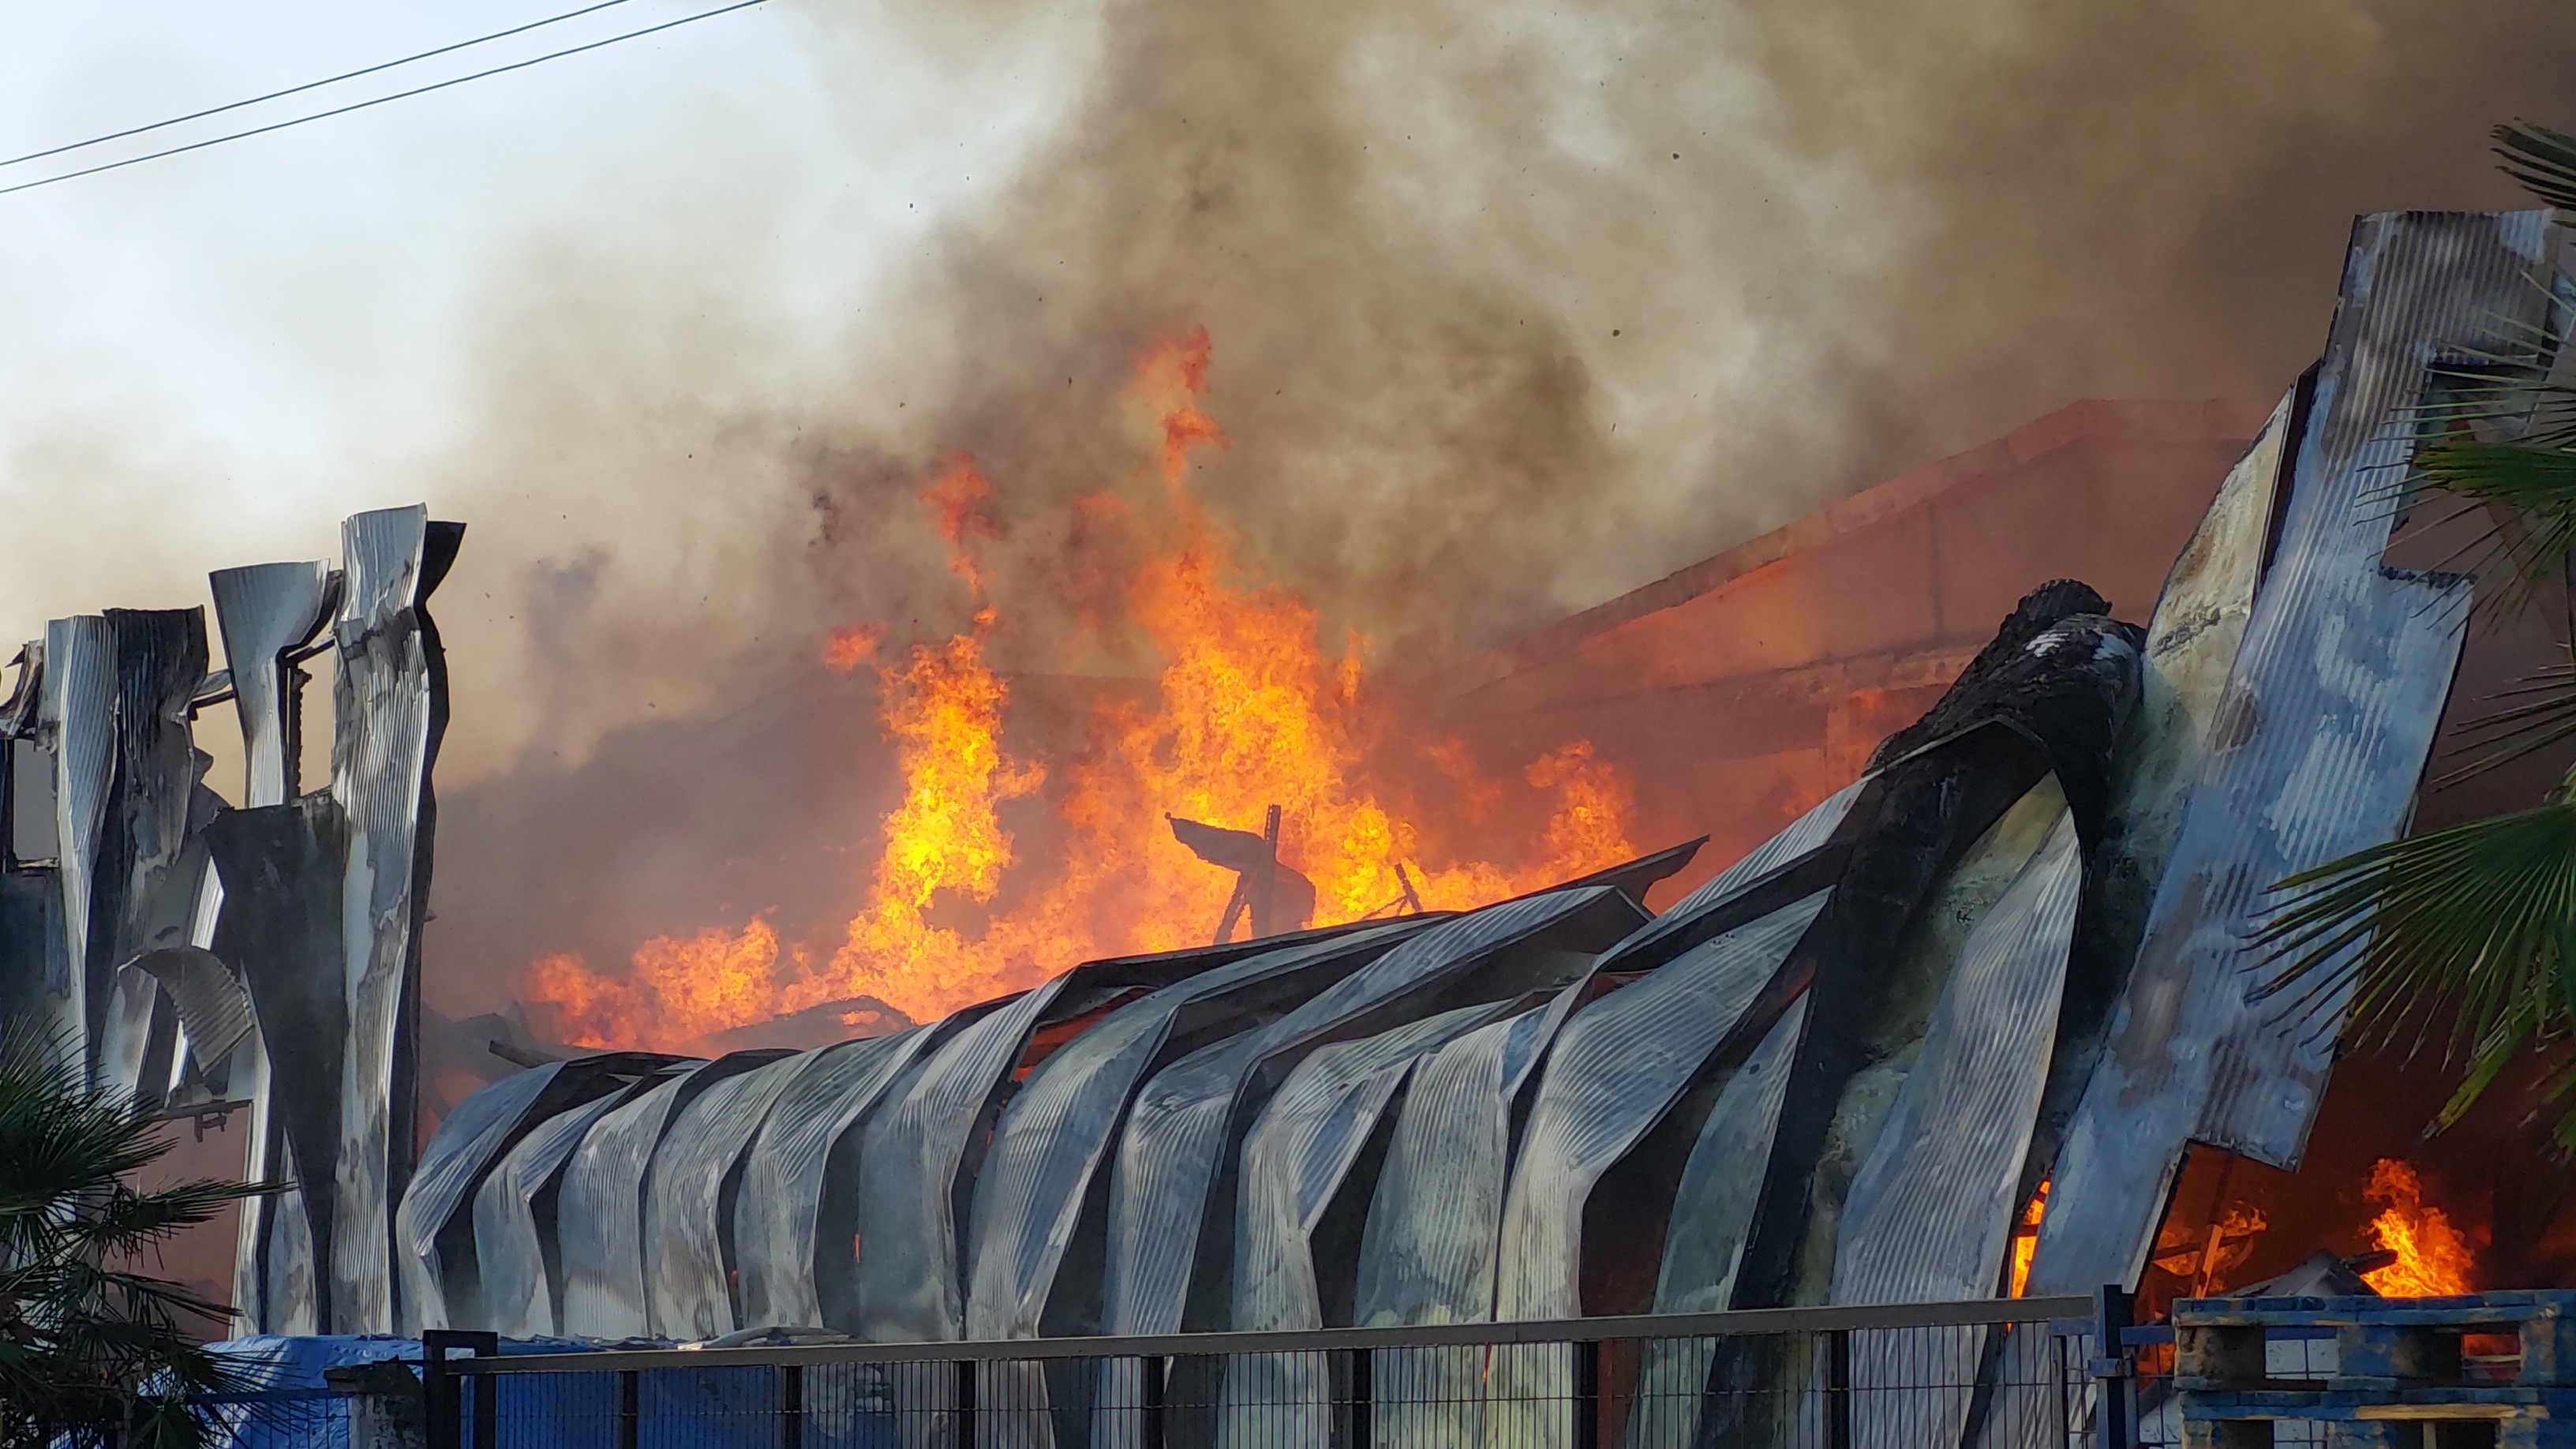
(2543, 160)
(2542, 712)
(2535, 482)
(2475, 923)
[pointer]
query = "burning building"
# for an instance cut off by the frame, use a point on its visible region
(1963, 1011)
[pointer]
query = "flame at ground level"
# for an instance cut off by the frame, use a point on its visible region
(1247, 711)
(2433, 1257)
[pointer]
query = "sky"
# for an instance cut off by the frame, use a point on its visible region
(207, 360)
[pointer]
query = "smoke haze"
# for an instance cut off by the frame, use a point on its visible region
(1514, 308)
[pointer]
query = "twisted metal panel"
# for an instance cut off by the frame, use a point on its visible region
(1047, 1149)
(518, 1277)
(1932, 1208)
(2315, 750)
(779, 1223)
(389, 708)
(1301, 1169)
(77, 718)
(599, 1209)
(686, 1212)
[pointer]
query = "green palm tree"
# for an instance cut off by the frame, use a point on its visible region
(2470, 932)
(93, 1350)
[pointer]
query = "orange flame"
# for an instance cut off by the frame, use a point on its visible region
(2025, 1239)
(848, 648)
(1247, 711)
(2433, 1258)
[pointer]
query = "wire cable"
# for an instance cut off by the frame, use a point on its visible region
(314, 85)
(375, 101)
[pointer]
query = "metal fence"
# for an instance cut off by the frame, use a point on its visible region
(2013, 1374)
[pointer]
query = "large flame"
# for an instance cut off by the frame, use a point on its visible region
(2433, 1257)
(1247, 711)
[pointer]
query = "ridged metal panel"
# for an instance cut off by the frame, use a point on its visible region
(1057, 1130)
(1704, 1236)
(1427, 1255)
(389, 708)
(2318, 746)
(599, 1210)
(1932, 1208)
(1671, 931)
(908, 1283)
(1295, 1161)
(77, 714)
(451, 1167)
(214, 1010)
(280, 925)
(777, 1227)
(1616, 1068)
(160, 661)
(1184, 1125)
(686, 1274)
(1179, 1145)
(1302, 1147)
(263, 613)
(515, 1257)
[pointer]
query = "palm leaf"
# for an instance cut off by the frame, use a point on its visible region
(2544, 161)
(2475, 923)
(2543, 712)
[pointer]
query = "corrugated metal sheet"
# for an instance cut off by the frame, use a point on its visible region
(908, 1283)
(688, 1292)
(2330, 710)
(777, 1224)
(151, 888)
(1175, 1162)
(1184, 1126)
(515, 1218)
(599, 1210)
(1704, 1237)
(214, 1010)
(451, 1167)
(280, 925)
(1615, 1070)
(1428, 1256)
(1058, 1127)
(389, 708)
(1296, 1161)
(1933, 1204)
(1428, 1253)
(1702, 913)
(264, 613)
(1932, 1208)
(77, 713)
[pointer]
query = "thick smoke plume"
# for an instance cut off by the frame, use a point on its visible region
(1514, 307)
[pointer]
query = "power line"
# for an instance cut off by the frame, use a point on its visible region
(380, 100)
(315, 85)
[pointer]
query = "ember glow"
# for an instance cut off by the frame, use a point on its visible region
(2433, 1257)
(1248, 710)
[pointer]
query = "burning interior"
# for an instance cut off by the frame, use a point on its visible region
(1246, 1000)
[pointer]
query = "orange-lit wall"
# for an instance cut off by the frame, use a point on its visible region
(1742, 689)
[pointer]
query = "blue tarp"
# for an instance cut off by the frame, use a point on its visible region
(734, 1408)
